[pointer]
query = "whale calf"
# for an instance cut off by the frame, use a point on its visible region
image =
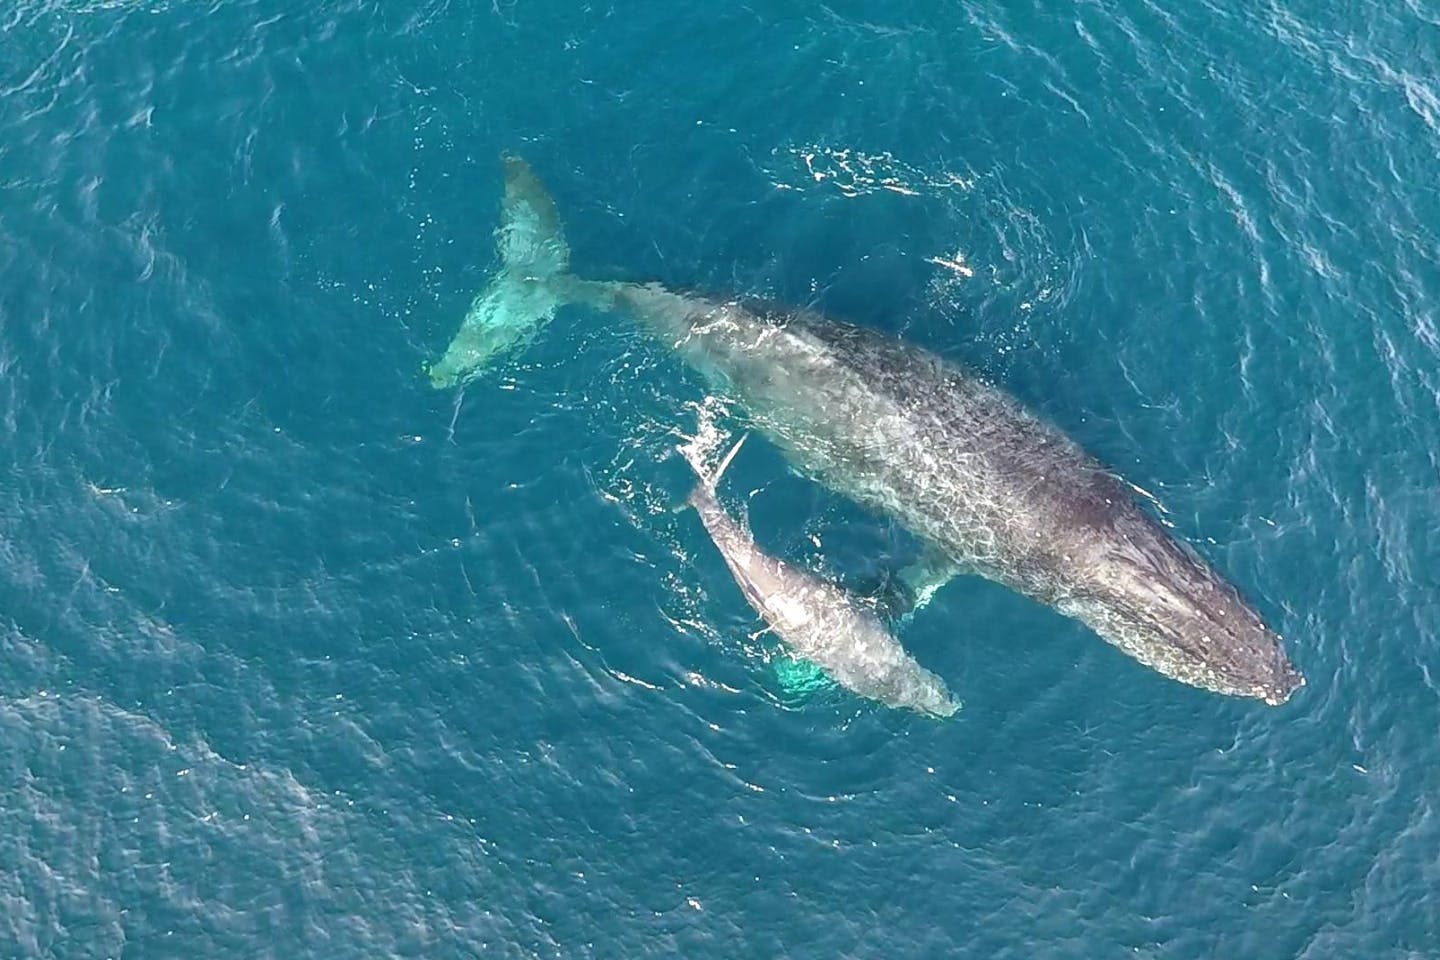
(816, 619)
(953, 458)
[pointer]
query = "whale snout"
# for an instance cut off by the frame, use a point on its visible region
(1280, 689)
(1167, 608)
(1233, 650)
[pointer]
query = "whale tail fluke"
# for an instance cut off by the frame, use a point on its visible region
(529, 287)
(531, 237)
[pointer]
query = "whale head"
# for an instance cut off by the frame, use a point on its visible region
(1161, 603)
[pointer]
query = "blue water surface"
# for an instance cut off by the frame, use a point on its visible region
(302, 658)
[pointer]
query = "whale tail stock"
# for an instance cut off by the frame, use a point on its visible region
(532, 282)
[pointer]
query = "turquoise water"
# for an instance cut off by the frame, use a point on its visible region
(300, 657)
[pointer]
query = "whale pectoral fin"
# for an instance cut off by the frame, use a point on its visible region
(915, 583)
(896, 595)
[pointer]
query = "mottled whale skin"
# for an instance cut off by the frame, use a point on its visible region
(815, 618)
(953, 458)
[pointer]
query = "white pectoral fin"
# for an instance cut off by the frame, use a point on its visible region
(927, 574)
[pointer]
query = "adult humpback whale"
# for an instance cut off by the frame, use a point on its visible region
(954, 459)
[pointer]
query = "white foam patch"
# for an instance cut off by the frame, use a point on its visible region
(854, 173)
(710, 441)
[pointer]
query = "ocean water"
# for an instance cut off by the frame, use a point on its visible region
(302, 658)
